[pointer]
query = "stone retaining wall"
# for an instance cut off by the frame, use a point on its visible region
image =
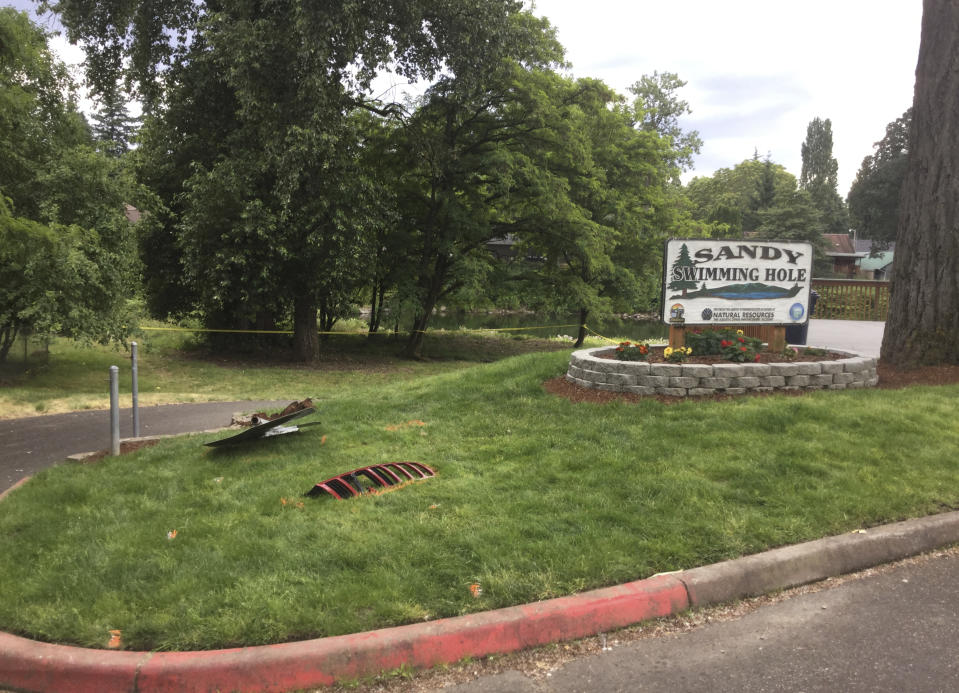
(681, 380)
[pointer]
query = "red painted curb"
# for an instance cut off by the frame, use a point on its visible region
(13, 488)
(28, 665)
(36, 666)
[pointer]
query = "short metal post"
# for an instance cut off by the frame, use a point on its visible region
(136, 390)
(114, 411)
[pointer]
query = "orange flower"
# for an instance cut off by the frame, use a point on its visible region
(171, 534)
(115, 641)
(476, 590)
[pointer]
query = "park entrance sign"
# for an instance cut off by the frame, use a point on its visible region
(736, 282)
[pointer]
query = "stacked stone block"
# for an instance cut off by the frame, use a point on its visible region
(682, 380)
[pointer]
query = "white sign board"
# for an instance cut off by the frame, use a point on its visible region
(733, 282)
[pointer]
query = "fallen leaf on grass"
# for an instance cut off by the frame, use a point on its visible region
(171, 534)
(115, 641)
(408, 424)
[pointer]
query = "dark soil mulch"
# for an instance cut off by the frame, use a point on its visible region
(656, 356)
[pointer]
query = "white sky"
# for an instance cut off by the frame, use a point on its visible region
(757, 71)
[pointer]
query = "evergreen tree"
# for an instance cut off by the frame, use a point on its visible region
(113, 126)
(874, 196)
(676, 271)
(819, 176)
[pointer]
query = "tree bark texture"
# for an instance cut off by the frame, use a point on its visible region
(306, 339)
(581, 335)
(923, 323)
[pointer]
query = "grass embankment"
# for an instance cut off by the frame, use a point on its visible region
(535, 497)
(173, 367)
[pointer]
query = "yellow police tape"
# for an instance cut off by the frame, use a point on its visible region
(588, 329)
(209, 329)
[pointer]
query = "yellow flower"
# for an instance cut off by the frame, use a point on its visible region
(667, 352)
(740, 332)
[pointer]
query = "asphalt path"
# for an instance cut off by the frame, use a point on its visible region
(893, 630)
(31, 444)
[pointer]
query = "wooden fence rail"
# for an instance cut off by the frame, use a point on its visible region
(848, 299)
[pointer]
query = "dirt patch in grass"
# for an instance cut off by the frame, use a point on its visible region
(125, 447)
(890, 378)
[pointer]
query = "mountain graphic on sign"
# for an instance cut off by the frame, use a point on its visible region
(743, 292)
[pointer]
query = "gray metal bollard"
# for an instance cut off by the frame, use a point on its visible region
(136, 391)
(114, 411)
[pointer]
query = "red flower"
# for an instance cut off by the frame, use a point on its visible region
(725, 343)
(757, 358)
(740, 340)
(643, 349)
(742, 348)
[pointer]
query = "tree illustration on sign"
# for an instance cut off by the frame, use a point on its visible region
(682, 272)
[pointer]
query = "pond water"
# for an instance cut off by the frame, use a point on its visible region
(541, 326)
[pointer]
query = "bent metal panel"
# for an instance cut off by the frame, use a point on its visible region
(732, 282)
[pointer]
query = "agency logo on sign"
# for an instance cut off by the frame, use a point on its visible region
(796, 311)
(676, 312)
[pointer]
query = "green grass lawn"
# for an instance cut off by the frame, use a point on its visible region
(174, 368)
(534, 497)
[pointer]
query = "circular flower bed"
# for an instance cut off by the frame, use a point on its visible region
(588, 368)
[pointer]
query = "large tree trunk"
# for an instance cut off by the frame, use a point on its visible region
(306, 340)
(923, 323)
(581, 336)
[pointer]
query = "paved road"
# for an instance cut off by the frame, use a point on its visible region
(31, 444)
(858, 336)
(894, 631)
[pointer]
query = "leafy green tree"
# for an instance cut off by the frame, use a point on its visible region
(873, 198)
(923, 323)
(69, 258)
(657, 108)
(756, 198)
(38, 113)
(284, 177)
(819, 176)
(609, 206)
(464, 153)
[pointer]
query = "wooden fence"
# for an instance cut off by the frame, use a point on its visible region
(849, 299)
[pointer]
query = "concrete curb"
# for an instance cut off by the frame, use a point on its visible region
(32, 666)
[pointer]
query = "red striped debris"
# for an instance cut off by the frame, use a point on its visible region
(379, 476)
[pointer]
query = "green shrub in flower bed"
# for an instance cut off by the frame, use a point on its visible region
(727, 342)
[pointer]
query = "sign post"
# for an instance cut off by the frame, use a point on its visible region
(733, 282)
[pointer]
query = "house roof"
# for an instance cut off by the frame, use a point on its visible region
(881, 261)
(864, 245)
(840, 245)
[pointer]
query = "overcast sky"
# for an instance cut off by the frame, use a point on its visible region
(757, 71)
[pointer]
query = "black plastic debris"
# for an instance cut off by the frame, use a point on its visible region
(266, 428)
(370, 478)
